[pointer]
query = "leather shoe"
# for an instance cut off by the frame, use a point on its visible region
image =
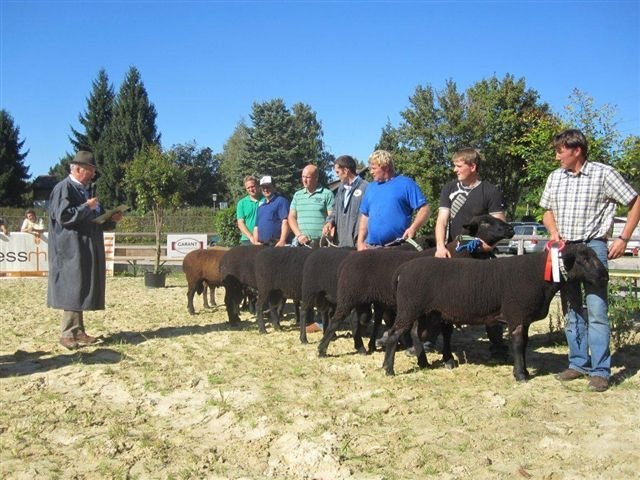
(569, 374)
(598, 384)
(69, 343)
(84, 339)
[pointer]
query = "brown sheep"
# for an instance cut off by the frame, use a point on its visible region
(201, 267)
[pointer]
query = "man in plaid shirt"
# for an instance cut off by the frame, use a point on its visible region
(580, 201)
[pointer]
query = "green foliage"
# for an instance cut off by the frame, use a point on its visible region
(624, 313)
(535, 146)
(13, 172)
(226, 227)
(133, 127)
(281, 142)
(492, 116)
(61, 169)
(234, 162)
(94, 120)
(201, 168)
(157, 180)
(629, 162)
(96, 117)
(597, 124)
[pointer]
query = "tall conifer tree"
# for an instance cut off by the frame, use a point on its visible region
(13, 172)
(133, 127)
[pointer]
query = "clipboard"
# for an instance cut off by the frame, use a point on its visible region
(106, 216)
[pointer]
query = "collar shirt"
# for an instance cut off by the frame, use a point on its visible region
(584, 203)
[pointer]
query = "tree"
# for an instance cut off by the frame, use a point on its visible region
(132, 129)
(500, 113)
(13, 172)
(95, 121)
(157, 180)
(629, 163)
(281, 142)
(597, 124)
(61, 169)
(97, 116)
(234, 165)
(492, 115)
(201, 168)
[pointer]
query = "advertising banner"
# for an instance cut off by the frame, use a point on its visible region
(178, 245)
(27, 254)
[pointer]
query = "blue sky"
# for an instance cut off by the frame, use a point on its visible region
(355, 63)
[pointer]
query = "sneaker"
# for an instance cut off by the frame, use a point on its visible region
(598, 384)
(313, 328)
(569, 374)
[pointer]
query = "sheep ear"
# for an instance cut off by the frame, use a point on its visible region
(472, 228)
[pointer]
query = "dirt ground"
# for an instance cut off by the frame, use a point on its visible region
(169, 395)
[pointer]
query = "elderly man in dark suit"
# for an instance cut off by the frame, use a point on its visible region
(77, 272)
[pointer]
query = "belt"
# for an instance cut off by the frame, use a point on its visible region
(599, 239)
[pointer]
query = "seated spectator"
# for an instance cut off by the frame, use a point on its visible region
(3, 226)
(30, 223)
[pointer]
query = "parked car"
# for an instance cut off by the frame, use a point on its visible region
(504, 246)
(533, 245)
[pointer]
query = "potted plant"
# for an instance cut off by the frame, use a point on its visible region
(156, 180)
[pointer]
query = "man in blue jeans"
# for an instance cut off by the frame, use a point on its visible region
(580, 201)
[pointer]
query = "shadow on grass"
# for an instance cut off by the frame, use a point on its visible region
(23, 363)
(135, 338)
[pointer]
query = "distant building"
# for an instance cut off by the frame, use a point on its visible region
(41, 188)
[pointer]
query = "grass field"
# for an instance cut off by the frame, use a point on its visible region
(169, 395)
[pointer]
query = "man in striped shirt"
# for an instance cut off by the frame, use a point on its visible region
(310, 207)
(580, 201)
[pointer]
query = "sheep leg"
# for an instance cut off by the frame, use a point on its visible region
(212, 297)
(276, 306)
(327, 336)
(378, 312)
(519, 340)
(303, 326)
(390, 347)
(418, 346)
(191, 291)
(205, 292)
(232, 296)
(356, 331)
(446, 329)
(260, 313)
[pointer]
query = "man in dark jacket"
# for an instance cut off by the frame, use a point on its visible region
(77, 272)
(346, 209)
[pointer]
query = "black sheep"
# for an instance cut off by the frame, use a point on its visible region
(279, 273)
(469, 292)
(368, 277)
(237, 269)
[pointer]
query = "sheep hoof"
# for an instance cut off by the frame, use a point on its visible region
(322, 353)
(362, 351)
(450, 364)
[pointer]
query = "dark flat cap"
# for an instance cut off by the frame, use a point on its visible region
(84, 158)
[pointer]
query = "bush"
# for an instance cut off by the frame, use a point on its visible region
(226, 227)
(624, 313)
